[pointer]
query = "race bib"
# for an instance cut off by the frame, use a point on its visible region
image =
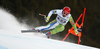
(62, 20)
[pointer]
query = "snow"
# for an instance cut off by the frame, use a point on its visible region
(12, 38)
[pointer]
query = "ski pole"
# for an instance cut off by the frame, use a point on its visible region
(43, 15)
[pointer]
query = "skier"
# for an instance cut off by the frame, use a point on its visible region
(58, 24)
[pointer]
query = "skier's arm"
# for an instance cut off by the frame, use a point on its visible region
(50, 13)
(73, 24)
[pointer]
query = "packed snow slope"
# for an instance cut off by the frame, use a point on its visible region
(12, 38)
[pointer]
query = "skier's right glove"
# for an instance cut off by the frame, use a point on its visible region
(47, 19)
(76, 32)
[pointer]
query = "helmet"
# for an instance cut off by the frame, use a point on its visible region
(66, 10)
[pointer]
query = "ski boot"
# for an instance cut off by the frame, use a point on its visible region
(48, 34)
(36, 30)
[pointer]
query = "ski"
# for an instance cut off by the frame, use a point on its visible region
(30, 31)
(25, 31)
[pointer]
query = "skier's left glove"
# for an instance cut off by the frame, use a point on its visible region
(47, 19)
(76, 32)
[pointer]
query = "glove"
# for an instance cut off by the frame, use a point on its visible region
(76, 32)
(47, 19)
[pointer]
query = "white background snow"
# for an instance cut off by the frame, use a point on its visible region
(12, 38)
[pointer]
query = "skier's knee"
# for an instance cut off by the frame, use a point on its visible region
(57, 30)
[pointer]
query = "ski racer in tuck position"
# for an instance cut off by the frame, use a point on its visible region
(58, 24)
